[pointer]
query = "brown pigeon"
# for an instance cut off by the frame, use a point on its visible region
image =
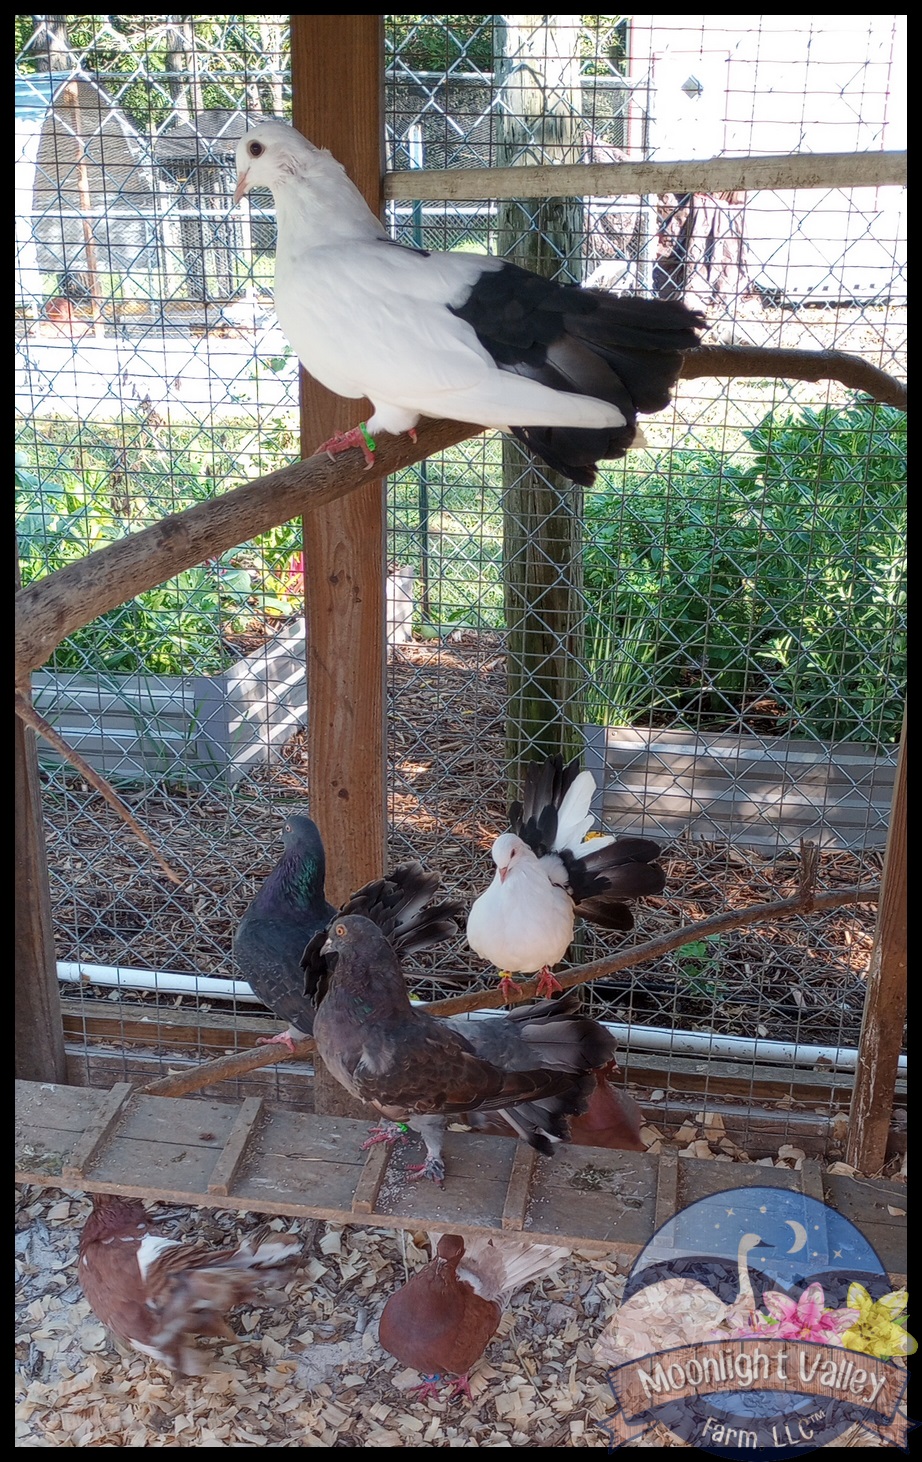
(612, 1119)
(155, 1294)
(442, 1320)
(546, 1033)
(414, 1068)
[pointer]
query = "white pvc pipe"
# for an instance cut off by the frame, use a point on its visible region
(636, 1037)
(163, 981)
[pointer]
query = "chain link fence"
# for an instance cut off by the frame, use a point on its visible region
(735, 592)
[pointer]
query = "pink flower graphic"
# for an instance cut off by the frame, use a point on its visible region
(802, 1319)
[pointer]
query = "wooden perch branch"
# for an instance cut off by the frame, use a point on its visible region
(50, 609)
(27, 712)
(795, 365)
(227, 1067)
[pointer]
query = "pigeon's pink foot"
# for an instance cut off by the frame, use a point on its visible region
(429, 1387)
(433, 1169)
(461, 1386)
(357, 437)
(386, 1132)
(508, 988)
(285, 1039)
(547, 984)
(411, 433)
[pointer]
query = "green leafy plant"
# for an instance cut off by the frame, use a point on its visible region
(173, 629)
(699, 965)
(780, 573)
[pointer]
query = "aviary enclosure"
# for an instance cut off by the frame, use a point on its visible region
(716, 628)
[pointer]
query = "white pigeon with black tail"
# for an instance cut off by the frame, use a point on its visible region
(462, 336)
(548, 870)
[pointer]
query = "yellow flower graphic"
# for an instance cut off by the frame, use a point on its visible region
(881, 1327)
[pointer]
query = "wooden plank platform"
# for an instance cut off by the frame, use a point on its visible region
(262, 1158)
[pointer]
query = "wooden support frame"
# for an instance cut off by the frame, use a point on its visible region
(337, 79)
(609, 179)
(885, 1000)
(337, 82)
(39, 1027)
(265, 1159)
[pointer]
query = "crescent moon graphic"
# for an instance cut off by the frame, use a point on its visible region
(800, 1236)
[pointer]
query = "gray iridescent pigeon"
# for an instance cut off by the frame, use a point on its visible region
(284, 916)
(532, 1067)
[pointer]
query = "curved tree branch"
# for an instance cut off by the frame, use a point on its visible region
(50, 609)
(228, 1067)
(795, 365)
(27, 713)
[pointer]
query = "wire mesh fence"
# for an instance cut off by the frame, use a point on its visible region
(734, 593)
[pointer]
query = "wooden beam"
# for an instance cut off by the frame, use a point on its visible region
(315, 1167)
(613, 179)
(885, 1001)
(39, 1029)
(337, 93)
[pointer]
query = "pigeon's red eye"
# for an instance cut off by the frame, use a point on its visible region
(256, 149)
(340, 929)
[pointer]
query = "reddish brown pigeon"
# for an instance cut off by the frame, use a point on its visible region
(442, 1320)
(156, 1294)
(612, 1118)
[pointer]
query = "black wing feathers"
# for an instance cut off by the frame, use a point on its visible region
(615, 348)
(400, 906)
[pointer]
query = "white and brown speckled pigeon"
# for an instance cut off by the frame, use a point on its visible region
(156, 1294)
(548, 871)
(455, 335)
(442, 1320)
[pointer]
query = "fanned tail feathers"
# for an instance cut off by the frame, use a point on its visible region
(627, 352)
(623, 868)
(400, 905)
(497, 1267)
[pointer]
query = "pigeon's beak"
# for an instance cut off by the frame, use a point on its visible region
(242, 187)
(502, 874)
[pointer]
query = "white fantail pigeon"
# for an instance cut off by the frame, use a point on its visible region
(548, 871)
(461, 336)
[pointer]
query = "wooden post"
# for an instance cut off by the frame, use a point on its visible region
(542, 510)
(337, 89)
(39, 1027)
(86, 210)
(885, 1000)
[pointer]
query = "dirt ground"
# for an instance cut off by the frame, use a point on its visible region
(307, 1371)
